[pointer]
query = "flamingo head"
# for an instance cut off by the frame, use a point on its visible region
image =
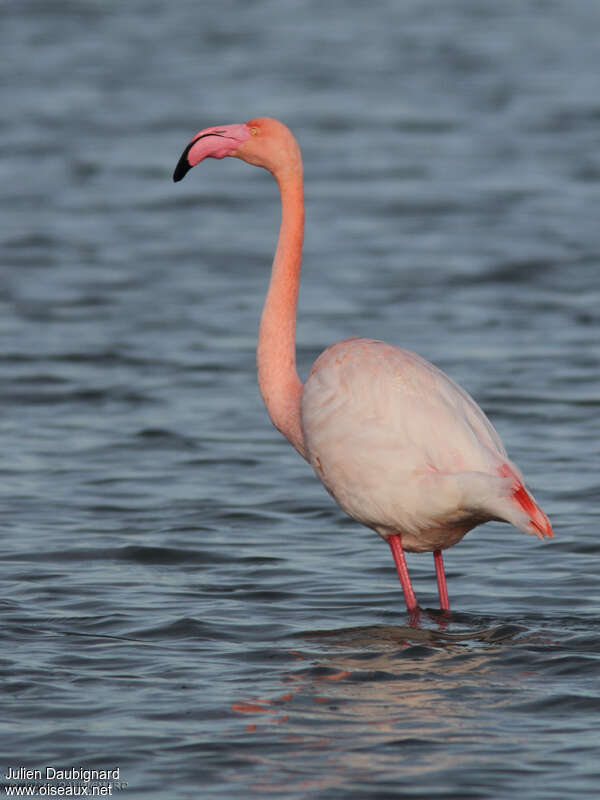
(263, 141)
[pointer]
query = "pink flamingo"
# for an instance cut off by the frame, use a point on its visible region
(401, 447)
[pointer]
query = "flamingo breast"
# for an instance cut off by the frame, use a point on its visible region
(399, 445)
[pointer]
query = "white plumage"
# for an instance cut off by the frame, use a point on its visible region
(403, 449)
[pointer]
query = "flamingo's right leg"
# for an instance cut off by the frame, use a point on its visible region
(441, 580)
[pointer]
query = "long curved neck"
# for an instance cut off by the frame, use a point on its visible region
(278, 380)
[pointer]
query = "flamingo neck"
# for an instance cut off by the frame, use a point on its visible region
(278, 380)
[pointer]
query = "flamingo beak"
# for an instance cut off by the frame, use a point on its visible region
(211, 143)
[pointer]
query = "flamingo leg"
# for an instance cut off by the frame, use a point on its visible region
(395, 542)
(441, 580)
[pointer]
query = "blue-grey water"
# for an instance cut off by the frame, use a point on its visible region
(180, 599)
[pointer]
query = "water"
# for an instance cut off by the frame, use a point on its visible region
(180, 598)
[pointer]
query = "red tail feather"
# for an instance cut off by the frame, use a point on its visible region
(537, 517)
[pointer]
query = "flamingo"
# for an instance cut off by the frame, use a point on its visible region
(402, 448)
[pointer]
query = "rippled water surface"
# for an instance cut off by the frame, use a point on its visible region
(180, 598)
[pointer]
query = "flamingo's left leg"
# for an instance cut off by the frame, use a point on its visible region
(395, 543)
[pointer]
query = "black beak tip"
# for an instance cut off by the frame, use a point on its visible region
(183, 166)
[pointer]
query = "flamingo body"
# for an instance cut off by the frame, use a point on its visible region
(403, 449)
(398, 444)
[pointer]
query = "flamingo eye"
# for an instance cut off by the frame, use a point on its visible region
(253, 131)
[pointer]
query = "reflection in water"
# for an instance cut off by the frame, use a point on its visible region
(377, 697)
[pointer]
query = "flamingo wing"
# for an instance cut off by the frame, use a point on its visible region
(403, 449)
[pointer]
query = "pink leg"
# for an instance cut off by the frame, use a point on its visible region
(395, 542)
(441, 580)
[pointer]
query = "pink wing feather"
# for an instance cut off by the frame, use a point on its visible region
(403, 449)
